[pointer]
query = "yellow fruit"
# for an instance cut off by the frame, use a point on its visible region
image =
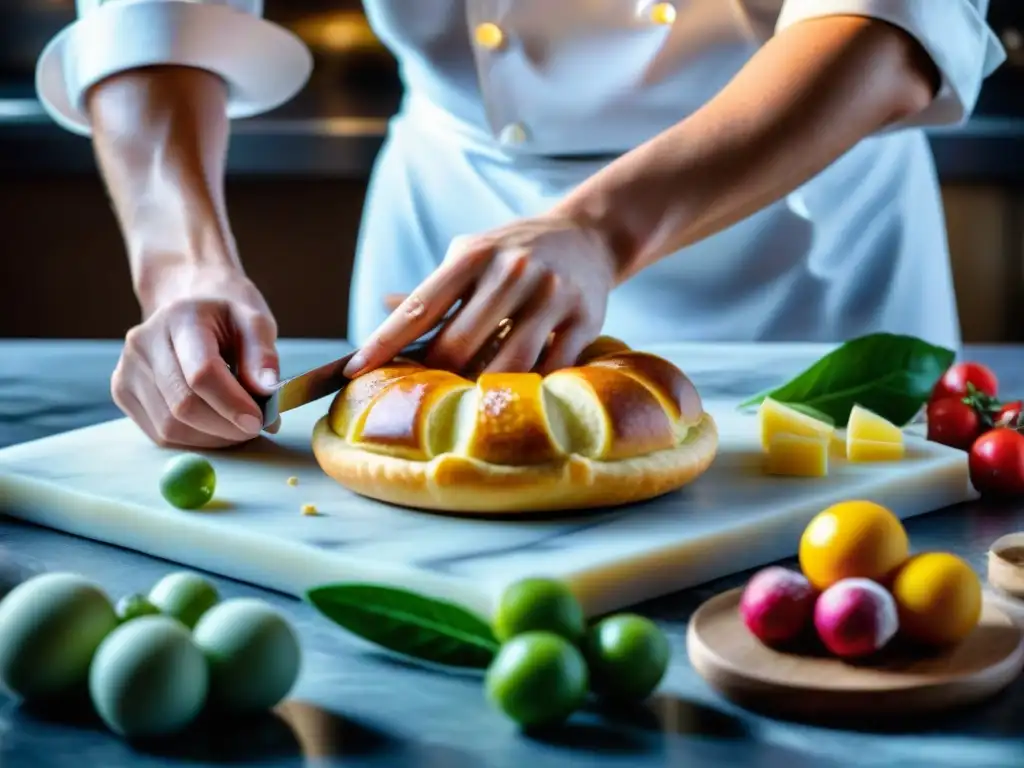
(867, 425)
(776, 418)
(797, 456)
(852, 539)
(938, 596)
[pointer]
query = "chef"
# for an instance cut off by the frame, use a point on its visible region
(704, 170)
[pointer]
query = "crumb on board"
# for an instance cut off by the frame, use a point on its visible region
(310, 510)
(293, 481)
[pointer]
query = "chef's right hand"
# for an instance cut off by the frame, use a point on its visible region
(173, 379)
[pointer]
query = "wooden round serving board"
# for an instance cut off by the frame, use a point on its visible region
(901, 681)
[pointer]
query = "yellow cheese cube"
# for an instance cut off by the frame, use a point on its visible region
(866, 425)
(797, 456)
(874, 450)
(779, 419)
(869, 437)
(837, 444)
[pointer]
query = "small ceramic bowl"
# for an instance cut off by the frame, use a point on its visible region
(1006, 564)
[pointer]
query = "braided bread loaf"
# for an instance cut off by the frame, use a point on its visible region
(621, 426)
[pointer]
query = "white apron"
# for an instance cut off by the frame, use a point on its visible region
(860, 248)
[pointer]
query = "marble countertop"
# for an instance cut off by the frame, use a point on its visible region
(352, 708)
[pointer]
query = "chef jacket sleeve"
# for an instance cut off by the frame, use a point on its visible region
(262, 64)
(953, 32)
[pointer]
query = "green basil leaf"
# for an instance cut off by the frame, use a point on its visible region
(887, 373)
(435, 631)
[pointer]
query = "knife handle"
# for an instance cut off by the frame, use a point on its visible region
(266, 403)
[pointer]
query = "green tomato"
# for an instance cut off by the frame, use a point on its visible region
(539, 605)
(253, 653)
(537, 679)
(133, 606)
(184, 596)
(50, 627)
(627, 656)
(188, 481)
(148, 678)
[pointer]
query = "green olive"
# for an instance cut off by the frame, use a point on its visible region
(184, 596)
(537, 679)
(627, 656)
(188, 481)
(539, 605)
(133, 606)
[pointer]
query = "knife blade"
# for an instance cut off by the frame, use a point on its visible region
(315, 383)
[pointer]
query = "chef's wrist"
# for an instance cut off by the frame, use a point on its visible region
(176, 237)
(601, 221)
(162, 276)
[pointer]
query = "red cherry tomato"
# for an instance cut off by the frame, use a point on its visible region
(997, 462)
(952, 422)
(1009, 414)
(954, 381)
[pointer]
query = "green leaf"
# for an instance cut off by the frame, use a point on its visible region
(887, 373)
(435, 631)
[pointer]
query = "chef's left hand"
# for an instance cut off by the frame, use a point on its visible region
(548, 275)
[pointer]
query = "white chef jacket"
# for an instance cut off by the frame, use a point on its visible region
(500, 94)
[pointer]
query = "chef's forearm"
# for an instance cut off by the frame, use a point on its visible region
(160, 136)
(804, 99)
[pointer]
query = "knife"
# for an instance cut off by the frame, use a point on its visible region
(319, 382)
(315, 383)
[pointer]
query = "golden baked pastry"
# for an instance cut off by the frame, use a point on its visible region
(621, 426)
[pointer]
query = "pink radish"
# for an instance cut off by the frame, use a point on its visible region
(855, 617)
(777, 605)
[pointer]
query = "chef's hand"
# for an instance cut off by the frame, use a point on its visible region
(173, 379)
(549, 275)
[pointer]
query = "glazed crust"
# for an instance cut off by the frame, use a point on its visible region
(619, 427)
(452, 483)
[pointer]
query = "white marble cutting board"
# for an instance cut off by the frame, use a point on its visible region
(102, 483)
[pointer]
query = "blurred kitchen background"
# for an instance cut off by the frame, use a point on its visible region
(297, 179)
